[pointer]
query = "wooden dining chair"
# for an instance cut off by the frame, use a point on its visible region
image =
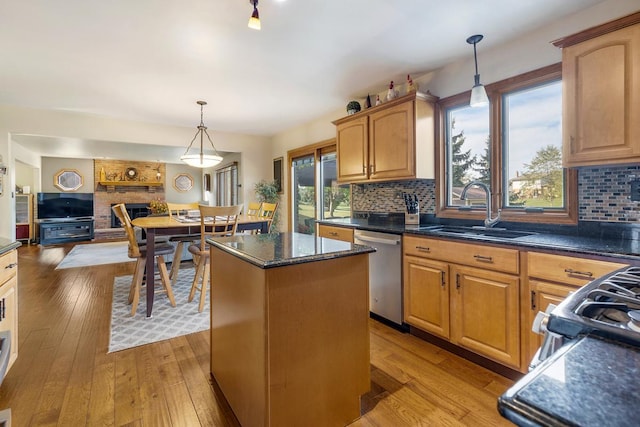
(253, 209)
(140, 254)
(176, 209)
(214, 221)
(268, 211)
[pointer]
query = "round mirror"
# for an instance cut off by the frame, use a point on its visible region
(68, 180)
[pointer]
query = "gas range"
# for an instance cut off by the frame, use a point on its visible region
(581, 374)
(608, 307)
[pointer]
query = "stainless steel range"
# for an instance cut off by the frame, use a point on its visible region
(587, 369)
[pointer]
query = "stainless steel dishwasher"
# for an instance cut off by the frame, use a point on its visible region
(385, 273)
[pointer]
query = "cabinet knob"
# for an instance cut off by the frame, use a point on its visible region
(483, 258)
(423, 249)
(571, 271)
(12, 265)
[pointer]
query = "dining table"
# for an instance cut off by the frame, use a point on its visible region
(169, 226)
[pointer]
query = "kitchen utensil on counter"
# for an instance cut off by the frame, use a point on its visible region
(412, 215)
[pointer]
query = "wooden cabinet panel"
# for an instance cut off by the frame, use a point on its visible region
(392, 142)
(486, 312)
(601, 77)
(9, 300)
(337, 233)
(567, 270)
(452, 293)
(352, 144)
(426, 295)
(482, 256)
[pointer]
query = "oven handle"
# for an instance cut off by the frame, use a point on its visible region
(392, 242)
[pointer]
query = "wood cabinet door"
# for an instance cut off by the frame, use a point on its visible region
(485, 313)
(352, 146)
(426, 295)
(392, 142)
(9, 312)
(601, 77)
(543, 294)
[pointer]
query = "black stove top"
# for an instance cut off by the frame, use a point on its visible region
(608, 307)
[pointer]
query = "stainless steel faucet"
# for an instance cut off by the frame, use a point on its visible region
(488, 221)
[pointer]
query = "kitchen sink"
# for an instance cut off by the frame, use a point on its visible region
(500, 233)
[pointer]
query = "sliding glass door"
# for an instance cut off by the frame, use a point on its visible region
(303, 189)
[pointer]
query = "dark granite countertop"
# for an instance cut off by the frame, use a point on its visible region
(281, 249)
(7, 245)
(609, 240)
(589, 382)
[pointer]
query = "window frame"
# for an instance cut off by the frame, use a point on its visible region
(495, 92)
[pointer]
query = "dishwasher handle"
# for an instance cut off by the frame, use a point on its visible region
(392, 242)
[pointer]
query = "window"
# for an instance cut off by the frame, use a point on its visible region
(227, 185)
(513, 146)
(314, 191)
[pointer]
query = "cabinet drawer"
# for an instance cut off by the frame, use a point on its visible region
(337, 233)
(481, 256)
(8, 265)
(567, 270)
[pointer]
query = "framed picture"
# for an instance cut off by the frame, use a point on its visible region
(277, 173)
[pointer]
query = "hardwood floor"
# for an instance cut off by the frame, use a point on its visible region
(64, 376)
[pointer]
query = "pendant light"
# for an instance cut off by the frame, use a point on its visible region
(254, 21)
(478, 93)
(201, 160)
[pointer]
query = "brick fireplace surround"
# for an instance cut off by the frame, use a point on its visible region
(104, 198)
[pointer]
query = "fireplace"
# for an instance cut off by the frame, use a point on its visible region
(135, 210)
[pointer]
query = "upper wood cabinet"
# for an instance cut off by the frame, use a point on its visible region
(601, 77)
(391, 141)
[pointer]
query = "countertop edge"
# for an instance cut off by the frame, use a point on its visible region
(6, 247)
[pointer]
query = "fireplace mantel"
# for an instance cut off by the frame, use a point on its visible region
(113, 185)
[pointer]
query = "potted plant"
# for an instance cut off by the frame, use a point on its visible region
(353, 107)
(267, 191)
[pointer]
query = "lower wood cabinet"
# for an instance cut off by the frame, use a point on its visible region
(475, 308)
(336, 233)
(9, 300)
(550, 278)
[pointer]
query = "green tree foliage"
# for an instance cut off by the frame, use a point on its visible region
(545, 173)
(483, 164)
(334, 195)
(461, 161)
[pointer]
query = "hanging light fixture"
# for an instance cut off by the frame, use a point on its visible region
(254, 21)
(201, 160)
(478, 93)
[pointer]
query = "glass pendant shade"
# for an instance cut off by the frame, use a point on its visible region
(254, 21)
(201, 160)
(479, 96)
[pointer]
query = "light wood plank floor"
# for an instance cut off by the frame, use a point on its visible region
(64, 376)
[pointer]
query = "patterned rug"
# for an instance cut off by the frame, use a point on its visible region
(166, 321)
(84, 255)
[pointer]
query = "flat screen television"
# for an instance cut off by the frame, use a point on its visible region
(65, 205)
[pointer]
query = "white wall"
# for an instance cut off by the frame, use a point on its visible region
(83, 126)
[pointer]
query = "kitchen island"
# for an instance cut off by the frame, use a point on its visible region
(289, 328)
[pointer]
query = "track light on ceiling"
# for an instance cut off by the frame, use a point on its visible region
(201, 160)
(478, 93)
(254, 21)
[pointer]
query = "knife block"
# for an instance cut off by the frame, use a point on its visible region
(412, 218)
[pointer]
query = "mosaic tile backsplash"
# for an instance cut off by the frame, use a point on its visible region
(603, 194)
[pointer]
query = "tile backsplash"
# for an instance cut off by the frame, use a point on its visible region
(603, 195)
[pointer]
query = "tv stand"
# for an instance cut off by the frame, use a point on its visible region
(65, 230)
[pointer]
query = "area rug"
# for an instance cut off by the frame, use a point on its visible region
(85, 255)
(166, 321)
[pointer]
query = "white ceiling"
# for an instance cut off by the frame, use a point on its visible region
(151, 60)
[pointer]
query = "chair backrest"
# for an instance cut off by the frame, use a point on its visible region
(267, 211)
(218, 221)
(254, 208)
(181, 208)
(121, 213)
